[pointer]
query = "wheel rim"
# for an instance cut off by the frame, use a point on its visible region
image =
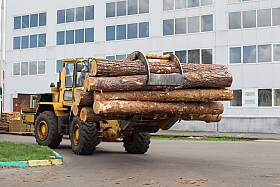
(42, 130)
(76, 134)
(129, 138)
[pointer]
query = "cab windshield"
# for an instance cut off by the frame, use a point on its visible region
(82, 69)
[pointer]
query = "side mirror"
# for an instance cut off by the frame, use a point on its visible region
(52, 85)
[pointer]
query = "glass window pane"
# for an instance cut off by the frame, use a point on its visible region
(264, 53)
(193, 3)
(80, 14)
(249, 54)
(121, 32)
(264, 18)
(110, 10)
(264, 97)
(233, 1)
(168, 27)
(34, 20)
(16, 69)
(33, 68)
(237, 98)
(235, 55)
(89, 34)
(58, 65)
(276, 52)
(70, 37)
(168, 5)
(275, 16)
(17, 22)
(24, 42)
(193, 24)
(16, 42)
(70, 15)
(143, 6)
(143, 29)
(179, 4)
(110, 57)
(24, 68)
(89, 12)
(165, 53)
(206, 2)
(42, 19)
(206, 55)
(249, 19)
(60, 16)
(120, 57)
(110, 33)
(79, 36)
(41, 67)
(180, 26)
(182, 55)
(121, 8)
(235, 20)
(132, 7)
(193, 56)
(60, 37)
(277, 97)
(42, 40)
(207, 23)
(132, 31)
(33, 41)
(25, 21)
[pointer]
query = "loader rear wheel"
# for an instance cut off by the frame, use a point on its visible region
(137, 142)
(46, 132)
(83, 137)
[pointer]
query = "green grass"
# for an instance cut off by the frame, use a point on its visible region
(23, 152)
(202, 138)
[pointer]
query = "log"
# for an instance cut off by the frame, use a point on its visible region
(183, 95)
(147, 107)
(208, 118)
(76, 108)
(82, 97)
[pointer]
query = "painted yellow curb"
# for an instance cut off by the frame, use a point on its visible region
(45, 162)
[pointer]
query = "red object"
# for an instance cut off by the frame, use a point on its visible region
(16, 107)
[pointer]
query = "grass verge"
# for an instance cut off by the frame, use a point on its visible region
(23, 152)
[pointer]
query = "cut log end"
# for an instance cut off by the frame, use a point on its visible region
(94, 67)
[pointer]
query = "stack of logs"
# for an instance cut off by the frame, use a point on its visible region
(116, 89)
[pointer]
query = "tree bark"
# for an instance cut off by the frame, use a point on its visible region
(147, 107)
(82, 97)
(183, 95)
(208, 118)
(76, 108)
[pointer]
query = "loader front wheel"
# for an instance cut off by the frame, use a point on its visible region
(83, 137)
(137, 142)
(46, 132)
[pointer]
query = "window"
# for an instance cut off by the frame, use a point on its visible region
(17, 22)
(42, 40)
(206, 55)
(89, 35)
(264, 97)
(121, 32)
(276, 97)
(235, 55)
(110, 10)
(89, 12)
(206, 23)
(206, 2)
(182, 55)
(234, 1)
(42, 19)
(180, 26)
(143, 29)
(264, 53)
(168, 5)
(237, 98)
(16, 69)
(80, 14)
(168, 27)
(34, 20)
(33, 41)
(110, 33)
(193, 24)
(132, 31)
(25, 22)
(70, 37)
(16, 42)
(41, 67)
(275, 16)
(132, 6)
(143, 6)
(24, 42)
(193, 3)
(33, 68)
(110, 57)
(179, 4)
(60, 35)
(264, 18)
(249, 19)
(70, 15)
(276, 52)
(79, 36)
(24, 68)
(194, 56)
(121, 8)
(249, 54)
(58, 65)
(60, 16)
(235, 20)
(120, 57)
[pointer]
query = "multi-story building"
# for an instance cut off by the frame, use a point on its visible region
(242, 34)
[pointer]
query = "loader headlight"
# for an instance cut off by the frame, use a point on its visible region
(67, 95)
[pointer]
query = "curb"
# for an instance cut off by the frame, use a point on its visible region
(33, 163)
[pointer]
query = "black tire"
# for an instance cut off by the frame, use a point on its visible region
(137, 142)
(83, 137)
(46, 131)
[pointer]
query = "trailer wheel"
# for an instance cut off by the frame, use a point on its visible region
(83, 137)
(46, 132)
(137, 142)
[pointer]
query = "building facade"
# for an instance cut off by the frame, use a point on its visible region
(242, 34)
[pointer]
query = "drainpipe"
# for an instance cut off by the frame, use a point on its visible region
(2, 53)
